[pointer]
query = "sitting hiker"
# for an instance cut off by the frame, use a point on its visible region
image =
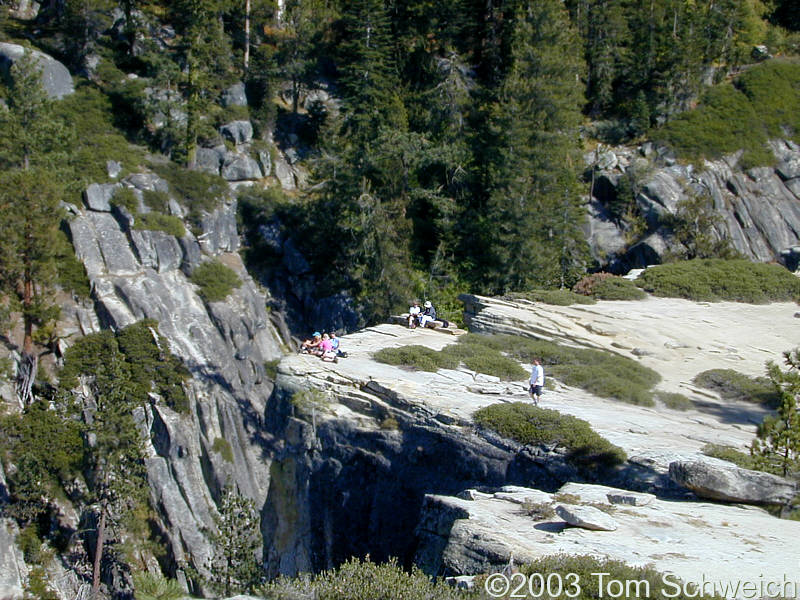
(310, 346)
(335, 343)
(325, 350)
(428, 315)
(413, 314)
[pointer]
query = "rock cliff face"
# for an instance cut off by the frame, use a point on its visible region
(758, 208)
(137, 274)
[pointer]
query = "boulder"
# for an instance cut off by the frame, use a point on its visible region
(113, 168)
(98, 196)
(235, 95)
(25, 10)
(157, 250)
(789, 168)
(266, 162)
(239, 132)
(208, 160)
(238, 167)
(56, 80)
(284, 173)
(630, 498)
(731, 483)
(586, 517)
(148, 182)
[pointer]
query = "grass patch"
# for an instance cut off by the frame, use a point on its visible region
(730, 454)
(715, 280)
(761, 103)
(531, 425)
(554, 297)
(602, 373)
(223, 447)
(154, 221)
(95, 139)
(732, 385)
(216, 281)
(674, 401)
(199, 191)
(418, 357)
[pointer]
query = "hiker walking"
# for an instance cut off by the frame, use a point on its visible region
(536, 382)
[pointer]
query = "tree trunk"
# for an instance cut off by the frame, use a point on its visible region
(26, 374)
(98, 551)
(246, 35)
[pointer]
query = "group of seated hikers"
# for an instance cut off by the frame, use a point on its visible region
(422, 317)
(324, 345)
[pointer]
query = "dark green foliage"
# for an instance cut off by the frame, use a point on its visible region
(47, 449)
(156, 587)
(715, 280)
(603, 373)
(777, 447)
(38, 585)
(732, 385)
(222, 447)
(156, 200)
(216, 281)
(674, 401)
(617, 288)
(555, 297)
(358, 579)
(234, 568)
(71, 274)
(200, 192)
(731, 454)
(531, 425)
(534, 216)
(124, 197)
(763, 102)
(155, 221)
(142, 356)
(95, 139)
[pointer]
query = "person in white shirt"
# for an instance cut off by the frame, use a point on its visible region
(537, 382)
(413, 314)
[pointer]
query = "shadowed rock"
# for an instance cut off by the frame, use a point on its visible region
(731, 484)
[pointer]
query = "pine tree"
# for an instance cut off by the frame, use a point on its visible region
(534, 215)
(777, 447)
(207, 55)
(235, 568)
(30, 204)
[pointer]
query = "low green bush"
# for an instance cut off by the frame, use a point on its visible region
(635, 582)
(359, 579)
(714, 280)
(731, 454)
(732, 385)
(674, 401)
(216, 281)
(531, 425)
(156, 587)
(200, 192)
(156, 200)
(418, 357)
(602, 373)
(554, 297)
(154, 221)
(617, 288)
(124, 197)
(72, 275)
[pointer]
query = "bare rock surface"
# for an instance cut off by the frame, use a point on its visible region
(690, 539)
(586, 517)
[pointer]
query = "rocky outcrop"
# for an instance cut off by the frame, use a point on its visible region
(693, 540)
(13, 569)
(758, 209)
(731, 483)
(137, 274)
(56, 80)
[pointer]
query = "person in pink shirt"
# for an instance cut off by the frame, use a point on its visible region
(325, 349)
